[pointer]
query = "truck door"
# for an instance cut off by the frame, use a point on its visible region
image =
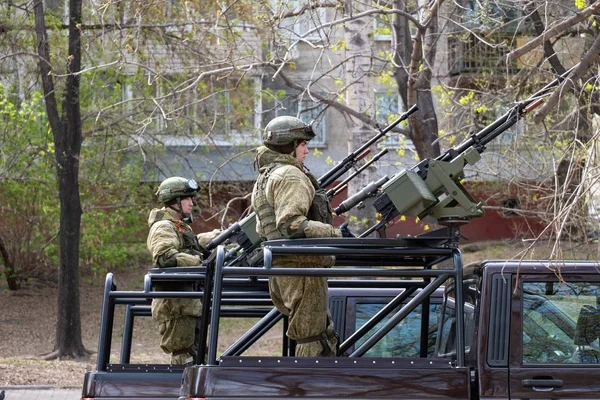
(554, 335)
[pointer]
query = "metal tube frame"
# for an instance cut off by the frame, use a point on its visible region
(441, 275)
(377, 318)
(254, 333)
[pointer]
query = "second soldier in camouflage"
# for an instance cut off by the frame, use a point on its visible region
(172, 243)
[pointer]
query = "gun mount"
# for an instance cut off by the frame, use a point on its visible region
(432, 189)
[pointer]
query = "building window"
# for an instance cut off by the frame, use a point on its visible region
(388, 107)
(383, 22)
(178, 111)
(487, 15)
(226, 109)
(468, 54)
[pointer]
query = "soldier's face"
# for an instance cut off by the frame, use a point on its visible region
(302, 151)
(186, 205)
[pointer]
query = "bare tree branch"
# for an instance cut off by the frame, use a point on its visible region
(583, 66)
(554, 30)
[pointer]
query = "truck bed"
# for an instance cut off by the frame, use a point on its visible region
(315, 378)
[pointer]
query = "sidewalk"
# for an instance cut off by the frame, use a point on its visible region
(39, 392)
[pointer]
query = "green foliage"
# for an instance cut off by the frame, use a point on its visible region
(467, 98)
(112, 237)
(387, 79)
(443, 95)
(29, 216)
(339, 45)
(28, 206)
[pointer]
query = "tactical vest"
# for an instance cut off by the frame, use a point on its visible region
(319, 210)
(188, 239)
(190, 245)
(264, 211)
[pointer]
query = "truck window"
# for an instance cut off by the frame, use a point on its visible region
(404, 339)
(561, 322)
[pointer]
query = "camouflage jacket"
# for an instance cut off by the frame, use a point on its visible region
(172, 240)
(290, 192)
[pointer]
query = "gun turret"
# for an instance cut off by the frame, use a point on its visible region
(431, 190)
(244, 232)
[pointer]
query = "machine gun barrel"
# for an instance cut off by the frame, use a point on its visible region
(511, 117)
(332, 192)
(432, 189)
(366, 192)
(333, 174)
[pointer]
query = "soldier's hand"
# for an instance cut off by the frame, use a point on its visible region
(346, 231)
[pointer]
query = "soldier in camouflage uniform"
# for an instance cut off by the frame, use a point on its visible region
(289, 204)
(172, 243)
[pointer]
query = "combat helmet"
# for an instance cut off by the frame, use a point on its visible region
(176, 187)
(283, 131)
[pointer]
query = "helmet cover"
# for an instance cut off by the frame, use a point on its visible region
(282, 131)
(176, 187)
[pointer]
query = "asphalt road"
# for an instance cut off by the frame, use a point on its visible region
(35, 393)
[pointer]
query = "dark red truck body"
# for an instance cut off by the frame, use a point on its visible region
(523, 331)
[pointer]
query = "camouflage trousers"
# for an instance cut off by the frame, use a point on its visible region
(325, 344)
(177, 320)
(304, 300)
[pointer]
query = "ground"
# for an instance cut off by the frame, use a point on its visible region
(28, 327)
(28, 321)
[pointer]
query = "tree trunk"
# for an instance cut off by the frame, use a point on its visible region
(67, 142)
(9, 268)
(413, 76)
(358, 97)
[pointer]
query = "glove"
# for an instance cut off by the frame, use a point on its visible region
(345, 231)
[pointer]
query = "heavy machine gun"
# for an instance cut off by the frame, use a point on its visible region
(431, 190)
(244, 233)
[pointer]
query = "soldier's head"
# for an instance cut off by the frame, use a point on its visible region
(285, 134)
(178, 194)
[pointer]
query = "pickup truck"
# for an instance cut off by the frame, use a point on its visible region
(509, 330)
(121, 371)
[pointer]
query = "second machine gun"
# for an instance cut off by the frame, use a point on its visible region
(431, 190)
(244, 233)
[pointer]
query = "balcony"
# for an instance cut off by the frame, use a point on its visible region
(469, 55)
